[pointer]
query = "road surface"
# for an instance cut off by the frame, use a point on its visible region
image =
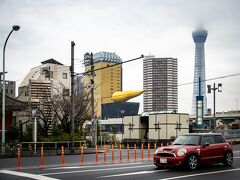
(140, 169)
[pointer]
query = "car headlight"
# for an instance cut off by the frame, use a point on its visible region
(181, 152)
(158, 149)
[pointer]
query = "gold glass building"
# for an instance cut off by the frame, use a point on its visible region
(107, 80)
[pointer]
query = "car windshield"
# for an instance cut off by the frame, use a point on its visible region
(191, 140)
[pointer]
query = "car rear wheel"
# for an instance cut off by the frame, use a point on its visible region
(228, 159)
(192, 162)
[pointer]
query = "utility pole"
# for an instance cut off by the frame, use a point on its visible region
(214, 105)
(72, 96)
(94, 128)
(219, 88)
(88, 60)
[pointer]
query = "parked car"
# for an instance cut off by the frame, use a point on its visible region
(192, 150)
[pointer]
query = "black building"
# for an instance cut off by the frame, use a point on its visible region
(119, 109)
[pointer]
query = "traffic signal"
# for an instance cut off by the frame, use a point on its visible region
(219, 87)
(209, 88)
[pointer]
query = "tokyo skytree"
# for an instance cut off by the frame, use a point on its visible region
(199, 37)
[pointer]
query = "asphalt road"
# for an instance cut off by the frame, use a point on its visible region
(140, 169)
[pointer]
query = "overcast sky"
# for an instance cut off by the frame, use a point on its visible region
(130, 28)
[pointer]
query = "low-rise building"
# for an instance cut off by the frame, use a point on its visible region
(39, 86)
(147, 127)
(155, 126)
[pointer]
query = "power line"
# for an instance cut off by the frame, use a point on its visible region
(88, 72)
(117, 64)
(220, 77)
(81, 65)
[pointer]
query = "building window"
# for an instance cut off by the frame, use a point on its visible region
(64, 75)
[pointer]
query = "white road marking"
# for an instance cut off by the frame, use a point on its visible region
(130, 174)
(96, 170)
(102, 165)
(200, 174)
(28, 175)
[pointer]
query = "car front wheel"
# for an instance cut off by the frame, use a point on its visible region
(228, 159)
(192, 162)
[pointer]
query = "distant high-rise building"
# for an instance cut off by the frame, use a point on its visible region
(160, 82)
(199, 37)
(106, 81)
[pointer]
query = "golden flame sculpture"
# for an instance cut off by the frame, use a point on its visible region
(123, 96)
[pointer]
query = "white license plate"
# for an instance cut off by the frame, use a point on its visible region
(163, 160)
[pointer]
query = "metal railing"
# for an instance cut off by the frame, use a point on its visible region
(33, 149)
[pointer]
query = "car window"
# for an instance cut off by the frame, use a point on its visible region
(219, 139)
(187, 140)
(208, 139)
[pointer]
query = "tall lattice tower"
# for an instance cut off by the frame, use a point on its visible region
(199, 37)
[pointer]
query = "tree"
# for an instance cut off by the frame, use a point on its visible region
(45, 116)
(44, 113)
(54, 108)
(27, 135)
(61, 106)
(12, 133)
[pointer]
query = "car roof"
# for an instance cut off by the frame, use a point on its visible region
(202, 134)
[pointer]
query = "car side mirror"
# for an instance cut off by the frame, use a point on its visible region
(205, 144)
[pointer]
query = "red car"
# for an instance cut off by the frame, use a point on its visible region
(192, 150)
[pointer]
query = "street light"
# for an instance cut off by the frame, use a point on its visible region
(219, 88)
(1, 73)
(14, 28)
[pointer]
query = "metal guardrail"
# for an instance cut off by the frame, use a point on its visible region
(53, 145)
(33, 149)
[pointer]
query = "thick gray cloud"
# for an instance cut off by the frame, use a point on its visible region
(129, 28)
